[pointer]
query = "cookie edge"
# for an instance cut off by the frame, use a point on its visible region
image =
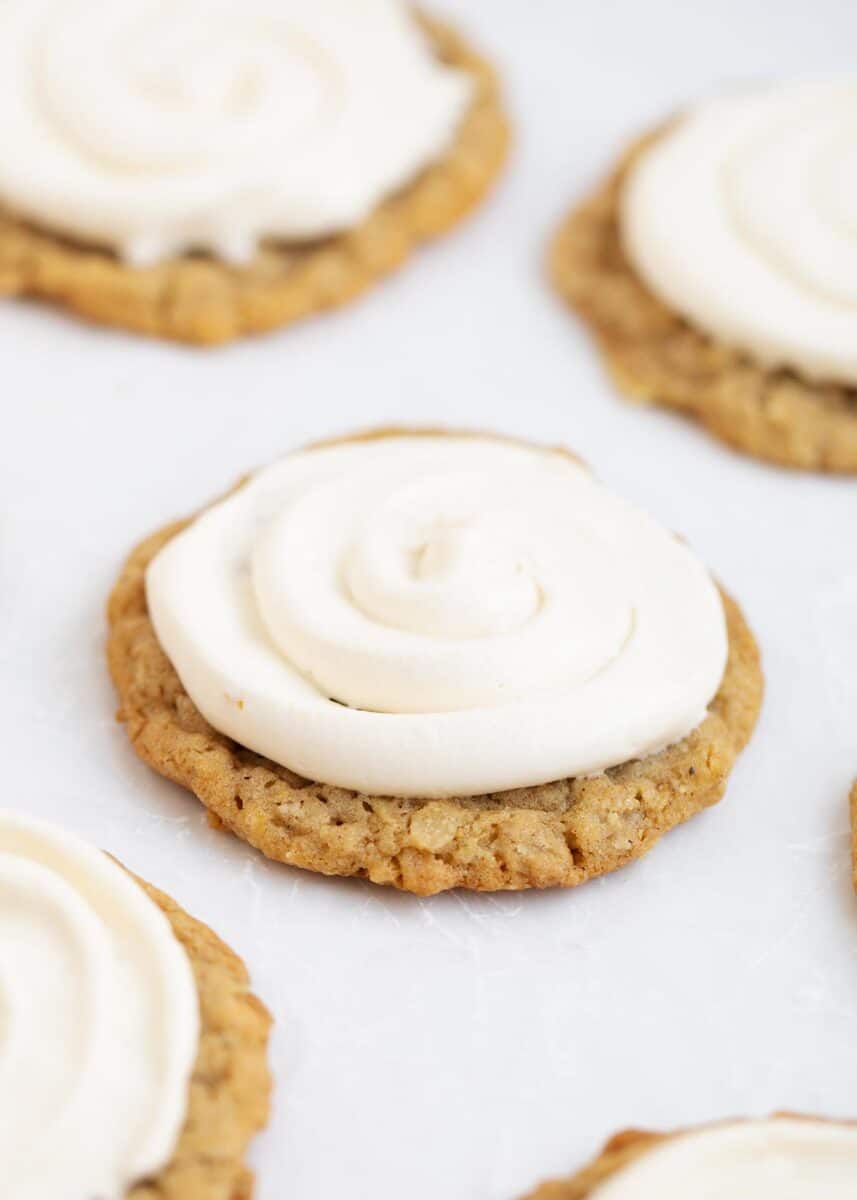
(628, 1145)
(200, 1165)
(852, 808)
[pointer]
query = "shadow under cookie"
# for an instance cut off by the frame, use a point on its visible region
(198, 299)
(655, 355)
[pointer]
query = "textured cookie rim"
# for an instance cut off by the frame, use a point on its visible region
(202, 301)
(554, 835)
(852, 810)
(655, 356)
(629, 1145)
(208, 1161)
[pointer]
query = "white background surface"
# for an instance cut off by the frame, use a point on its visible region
(464, 1047)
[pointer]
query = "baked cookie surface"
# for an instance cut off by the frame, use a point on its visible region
(656, 356)
(230, 1085)
(201, 300)
(794, 1130)
(557, 834)
(622, 1149)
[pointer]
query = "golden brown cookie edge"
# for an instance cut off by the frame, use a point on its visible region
(852, 807)
(655, 356)
(207, 302)
(557, 834)
(629, 1144)
(620, 1151)
(229, 1097)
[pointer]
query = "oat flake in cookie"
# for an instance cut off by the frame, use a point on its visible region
(132, 1056)
(208, 168)
(434, 660)
(781, 1158)
(717, 268)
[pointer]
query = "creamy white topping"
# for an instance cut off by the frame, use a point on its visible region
(98, 1021)
(749, 1160)
(429, 616)
(157, 126)
(743, 218)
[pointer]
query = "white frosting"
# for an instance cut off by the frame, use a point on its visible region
(783, 1159)
(743, 218)
(155, 126)
(429, 616)
(98, 1021)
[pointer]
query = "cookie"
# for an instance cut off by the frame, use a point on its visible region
(205, 300)
(656, 355)
(230, 1085)
(553, 834)
(128, 1023)
(821, 1149)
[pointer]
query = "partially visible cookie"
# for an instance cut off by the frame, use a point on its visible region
(133, 1058)
(767, 406)
(620, 1151)
(852, 805)
(230, 1086)
(207, 299)
(720, 1161)
(546, 835)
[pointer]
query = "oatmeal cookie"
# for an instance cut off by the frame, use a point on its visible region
(230, 1084)
(655, 356)
(202, 300)
(556, 834)
(620, 1151)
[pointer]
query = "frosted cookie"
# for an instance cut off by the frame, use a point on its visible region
(780, 1158)
(717, 267)
(210, 168)
(435, 661)
(132, 1055)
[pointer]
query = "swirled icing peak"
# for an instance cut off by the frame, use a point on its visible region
(743, 218)
(437, 615)
(158, 126)
(777, 1159)
(98, 1021)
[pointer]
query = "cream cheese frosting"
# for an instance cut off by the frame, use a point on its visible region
(158, 126)
(99, 1021)
(437, 615)
(743, 218)
(778, 1159)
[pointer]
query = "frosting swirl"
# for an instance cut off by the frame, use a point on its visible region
(778, 1159)
(743, 218)
(98, 1021)
(437, 615)
(158, 126)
